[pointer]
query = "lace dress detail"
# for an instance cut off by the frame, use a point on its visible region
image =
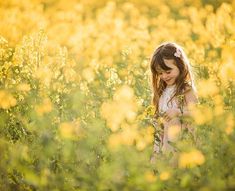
(165, 104)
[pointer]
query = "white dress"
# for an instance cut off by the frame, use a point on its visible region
(164, 105)
(165, 98)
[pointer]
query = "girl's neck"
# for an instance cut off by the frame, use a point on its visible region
(170, 86)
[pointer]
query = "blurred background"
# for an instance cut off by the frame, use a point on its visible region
(75, 94)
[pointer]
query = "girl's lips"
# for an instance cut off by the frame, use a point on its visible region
(167, 80)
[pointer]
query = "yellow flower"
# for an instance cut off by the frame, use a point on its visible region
(122, 107)
(201, 114)
(207, 88)
(227, 71)
(124, 93)
(191, 159)
(44, 74)
(150, 177)
(164, 176)
(161, 120)
(70, 130)
(144, 137)
(23, 87)
(88, 74)
(114, 141)
(229, 124)
(70, 74)
(6, 100)
(129, 135)
(141, 144)
(45, 107)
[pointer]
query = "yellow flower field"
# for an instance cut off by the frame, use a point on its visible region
(75, 95)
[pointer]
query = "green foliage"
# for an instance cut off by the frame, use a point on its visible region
(75, 107)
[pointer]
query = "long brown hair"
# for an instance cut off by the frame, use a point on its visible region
(184, 81)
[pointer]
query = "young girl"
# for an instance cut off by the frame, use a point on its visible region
(173, 91)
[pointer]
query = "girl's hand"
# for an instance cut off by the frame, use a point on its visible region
(170, 114)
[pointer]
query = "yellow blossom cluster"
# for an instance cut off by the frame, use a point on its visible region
(164, 175)
(210, 90)
(126, 136)
(71, 130)
(230, 124)
(202, 114)
(150, 177)
(122, 107)
(44, 107)
(191, 159)
(23, 87)
(6, 100)
(86, 63)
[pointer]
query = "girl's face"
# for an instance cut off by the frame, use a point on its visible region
(169, 76)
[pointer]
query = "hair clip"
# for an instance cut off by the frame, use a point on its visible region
(177, 53)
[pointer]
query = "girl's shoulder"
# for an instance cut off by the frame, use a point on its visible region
(188, 88)
(190, 93)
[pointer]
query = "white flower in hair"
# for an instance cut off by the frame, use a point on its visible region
(177, 53)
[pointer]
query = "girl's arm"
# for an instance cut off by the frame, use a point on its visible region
(190, 99)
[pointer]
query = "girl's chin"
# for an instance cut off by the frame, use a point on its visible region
(170, 83)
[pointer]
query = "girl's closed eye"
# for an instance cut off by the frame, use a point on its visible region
(166, 72)
(159, 72)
